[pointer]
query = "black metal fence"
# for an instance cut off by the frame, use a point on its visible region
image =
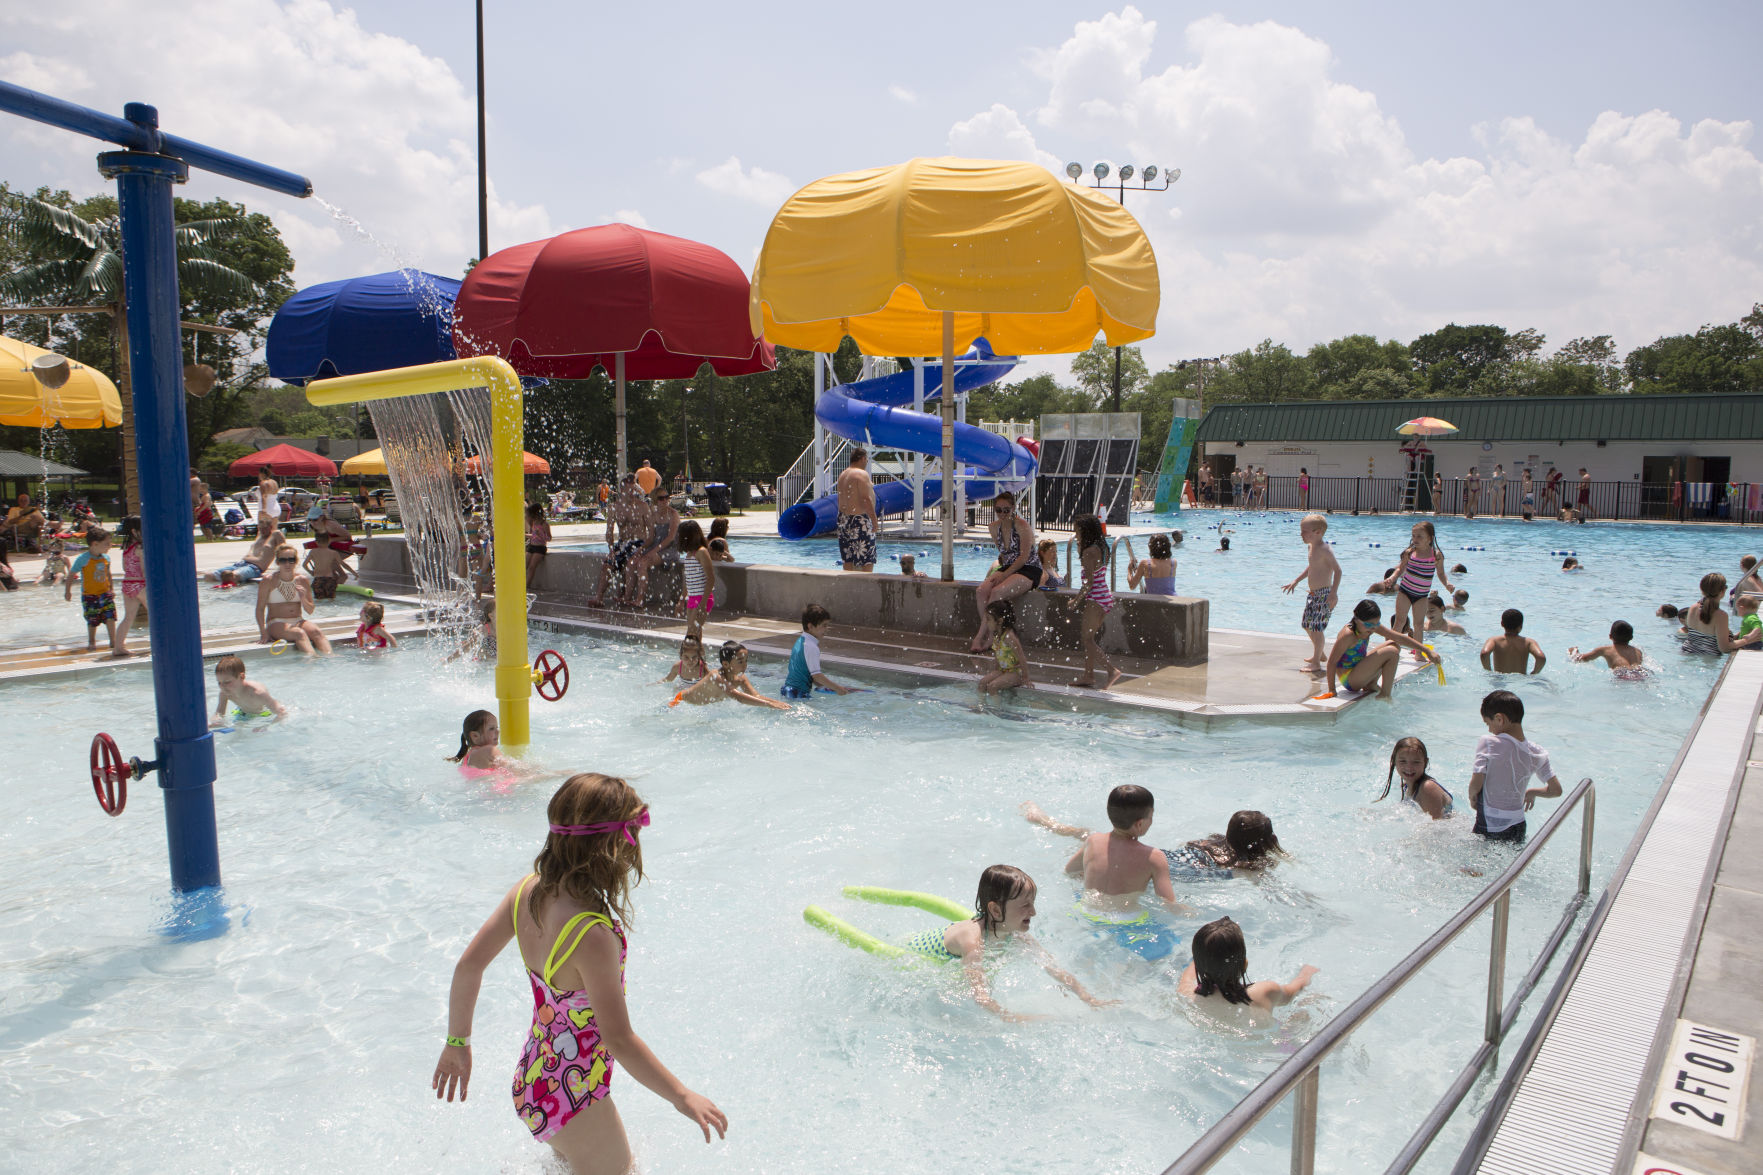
(1734, 502)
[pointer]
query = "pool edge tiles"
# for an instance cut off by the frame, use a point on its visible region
(1579, 1105)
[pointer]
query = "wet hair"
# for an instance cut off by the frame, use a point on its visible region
(1223, 542)
(1316, 520)
(130, 530)
(1512, 620)
(1220, 961)
(96, 535)
(1460, 596)
(1175, 537)
(373, 613)
(691, 536)
(1669, 611)
(718, 528)
(1713, 586)
(1388, 571)
(719, 546)
(728, 651)
(1250, 837)
(858, 456)
(1404, 744)
(1569, 563)
(1047, 545)
(231, 663)
(1367, 612)
(1004, 612)
(1432, 536)
(1622, 632)
(1088, 529)
(598, 870)
(1158, 546)
(999, 883)
(1503, 701)
(1436, 600)
(535, 511)
(1459, 569)
(474, 722)
(1128, 804)
(1002, 495)
(814, 615)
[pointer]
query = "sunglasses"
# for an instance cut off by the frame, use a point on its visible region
(287, 559)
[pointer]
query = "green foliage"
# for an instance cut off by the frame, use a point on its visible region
(216, 457)
(1094, 372)
(1268, 372)
(1358, 367)
(1725, 358)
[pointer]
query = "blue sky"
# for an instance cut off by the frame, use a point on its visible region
(1346, 167)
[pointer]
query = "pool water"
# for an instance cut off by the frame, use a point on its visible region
(358, 864)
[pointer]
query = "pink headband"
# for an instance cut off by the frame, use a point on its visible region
(626, 826)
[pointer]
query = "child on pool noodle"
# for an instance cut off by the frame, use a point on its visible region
(576, 905)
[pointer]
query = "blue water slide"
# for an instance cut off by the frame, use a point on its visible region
(871, 412)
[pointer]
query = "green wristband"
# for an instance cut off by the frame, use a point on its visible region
(459, 1042)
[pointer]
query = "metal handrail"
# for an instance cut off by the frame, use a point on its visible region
(1303, 1069)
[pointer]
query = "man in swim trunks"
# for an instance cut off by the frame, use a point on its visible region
(857, 519)
(1585, 496)
(627, 518)
(254, 564)
(283, 596)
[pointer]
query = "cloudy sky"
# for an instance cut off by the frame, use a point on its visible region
(1345, 167)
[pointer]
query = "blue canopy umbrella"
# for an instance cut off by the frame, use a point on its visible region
(360, 324)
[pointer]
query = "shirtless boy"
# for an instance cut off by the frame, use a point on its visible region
(857, 519)
(328, 569)
(283, 596)
(1324, 573)
(1510, 652)
(627, 520)
(251, 699)
(1619, 655)
(1117, 865)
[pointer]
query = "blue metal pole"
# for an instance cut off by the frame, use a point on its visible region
(185, 748)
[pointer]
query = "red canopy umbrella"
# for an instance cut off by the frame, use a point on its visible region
(284, 460)
(641, 304)
(531, 464)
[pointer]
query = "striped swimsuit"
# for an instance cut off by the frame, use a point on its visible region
(1416, 581)
(1096, 590)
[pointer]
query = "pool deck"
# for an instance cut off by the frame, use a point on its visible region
(1249, 675)
(1643, 1061)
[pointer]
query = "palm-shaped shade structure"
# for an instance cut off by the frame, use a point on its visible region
(83, 262)
(931, 254)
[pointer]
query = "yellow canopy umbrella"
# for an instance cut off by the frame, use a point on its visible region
(1036, 265)
(928, 255)
(87, 400)
(370, 463)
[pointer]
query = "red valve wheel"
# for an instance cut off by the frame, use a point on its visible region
(550, 675)
(110, 775)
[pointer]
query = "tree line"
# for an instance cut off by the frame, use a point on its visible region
(237, 271)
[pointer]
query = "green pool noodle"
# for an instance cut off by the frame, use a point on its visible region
(928, 902)
(850, 935)
(354, 589)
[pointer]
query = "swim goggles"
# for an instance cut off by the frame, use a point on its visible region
(626, 826)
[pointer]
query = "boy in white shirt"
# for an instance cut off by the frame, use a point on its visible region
(1504, 762)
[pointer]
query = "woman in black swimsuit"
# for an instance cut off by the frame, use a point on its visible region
(1019, 565)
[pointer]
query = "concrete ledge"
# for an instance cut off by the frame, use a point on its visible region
(1169, 629)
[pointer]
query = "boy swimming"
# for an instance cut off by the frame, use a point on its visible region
(249, 699)
(1510, 652)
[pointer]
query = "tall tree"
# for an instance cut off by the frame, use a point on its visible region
(1267, 373)
(78, 259)
(1358, 367)
(1726, 358)
(1094, 372)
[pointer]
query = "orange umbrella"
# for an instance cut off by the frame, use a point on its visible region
(531, 463)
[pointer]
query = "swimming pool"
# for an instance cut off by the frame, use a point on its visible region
(358, 864)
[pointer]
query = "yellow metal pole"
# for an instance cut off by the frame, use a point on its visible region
(514, 676)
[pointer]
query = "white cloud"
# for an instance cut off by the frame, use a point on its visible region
(998, 133)
(900, 93)
(1303, 213)
(630, 216)
(754, 184)
(382, 129)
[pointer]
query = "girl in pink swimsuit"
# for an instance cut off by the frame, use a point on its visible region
(134, 577)
(1095, 601)
(571, 911)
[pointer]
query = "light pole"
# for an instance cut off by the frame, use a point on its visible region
(1147, 177)
(483, 167)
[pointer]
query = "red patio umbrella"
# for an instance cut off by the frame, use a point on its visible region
(285, 461)
(641, 304)
(530, 463)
